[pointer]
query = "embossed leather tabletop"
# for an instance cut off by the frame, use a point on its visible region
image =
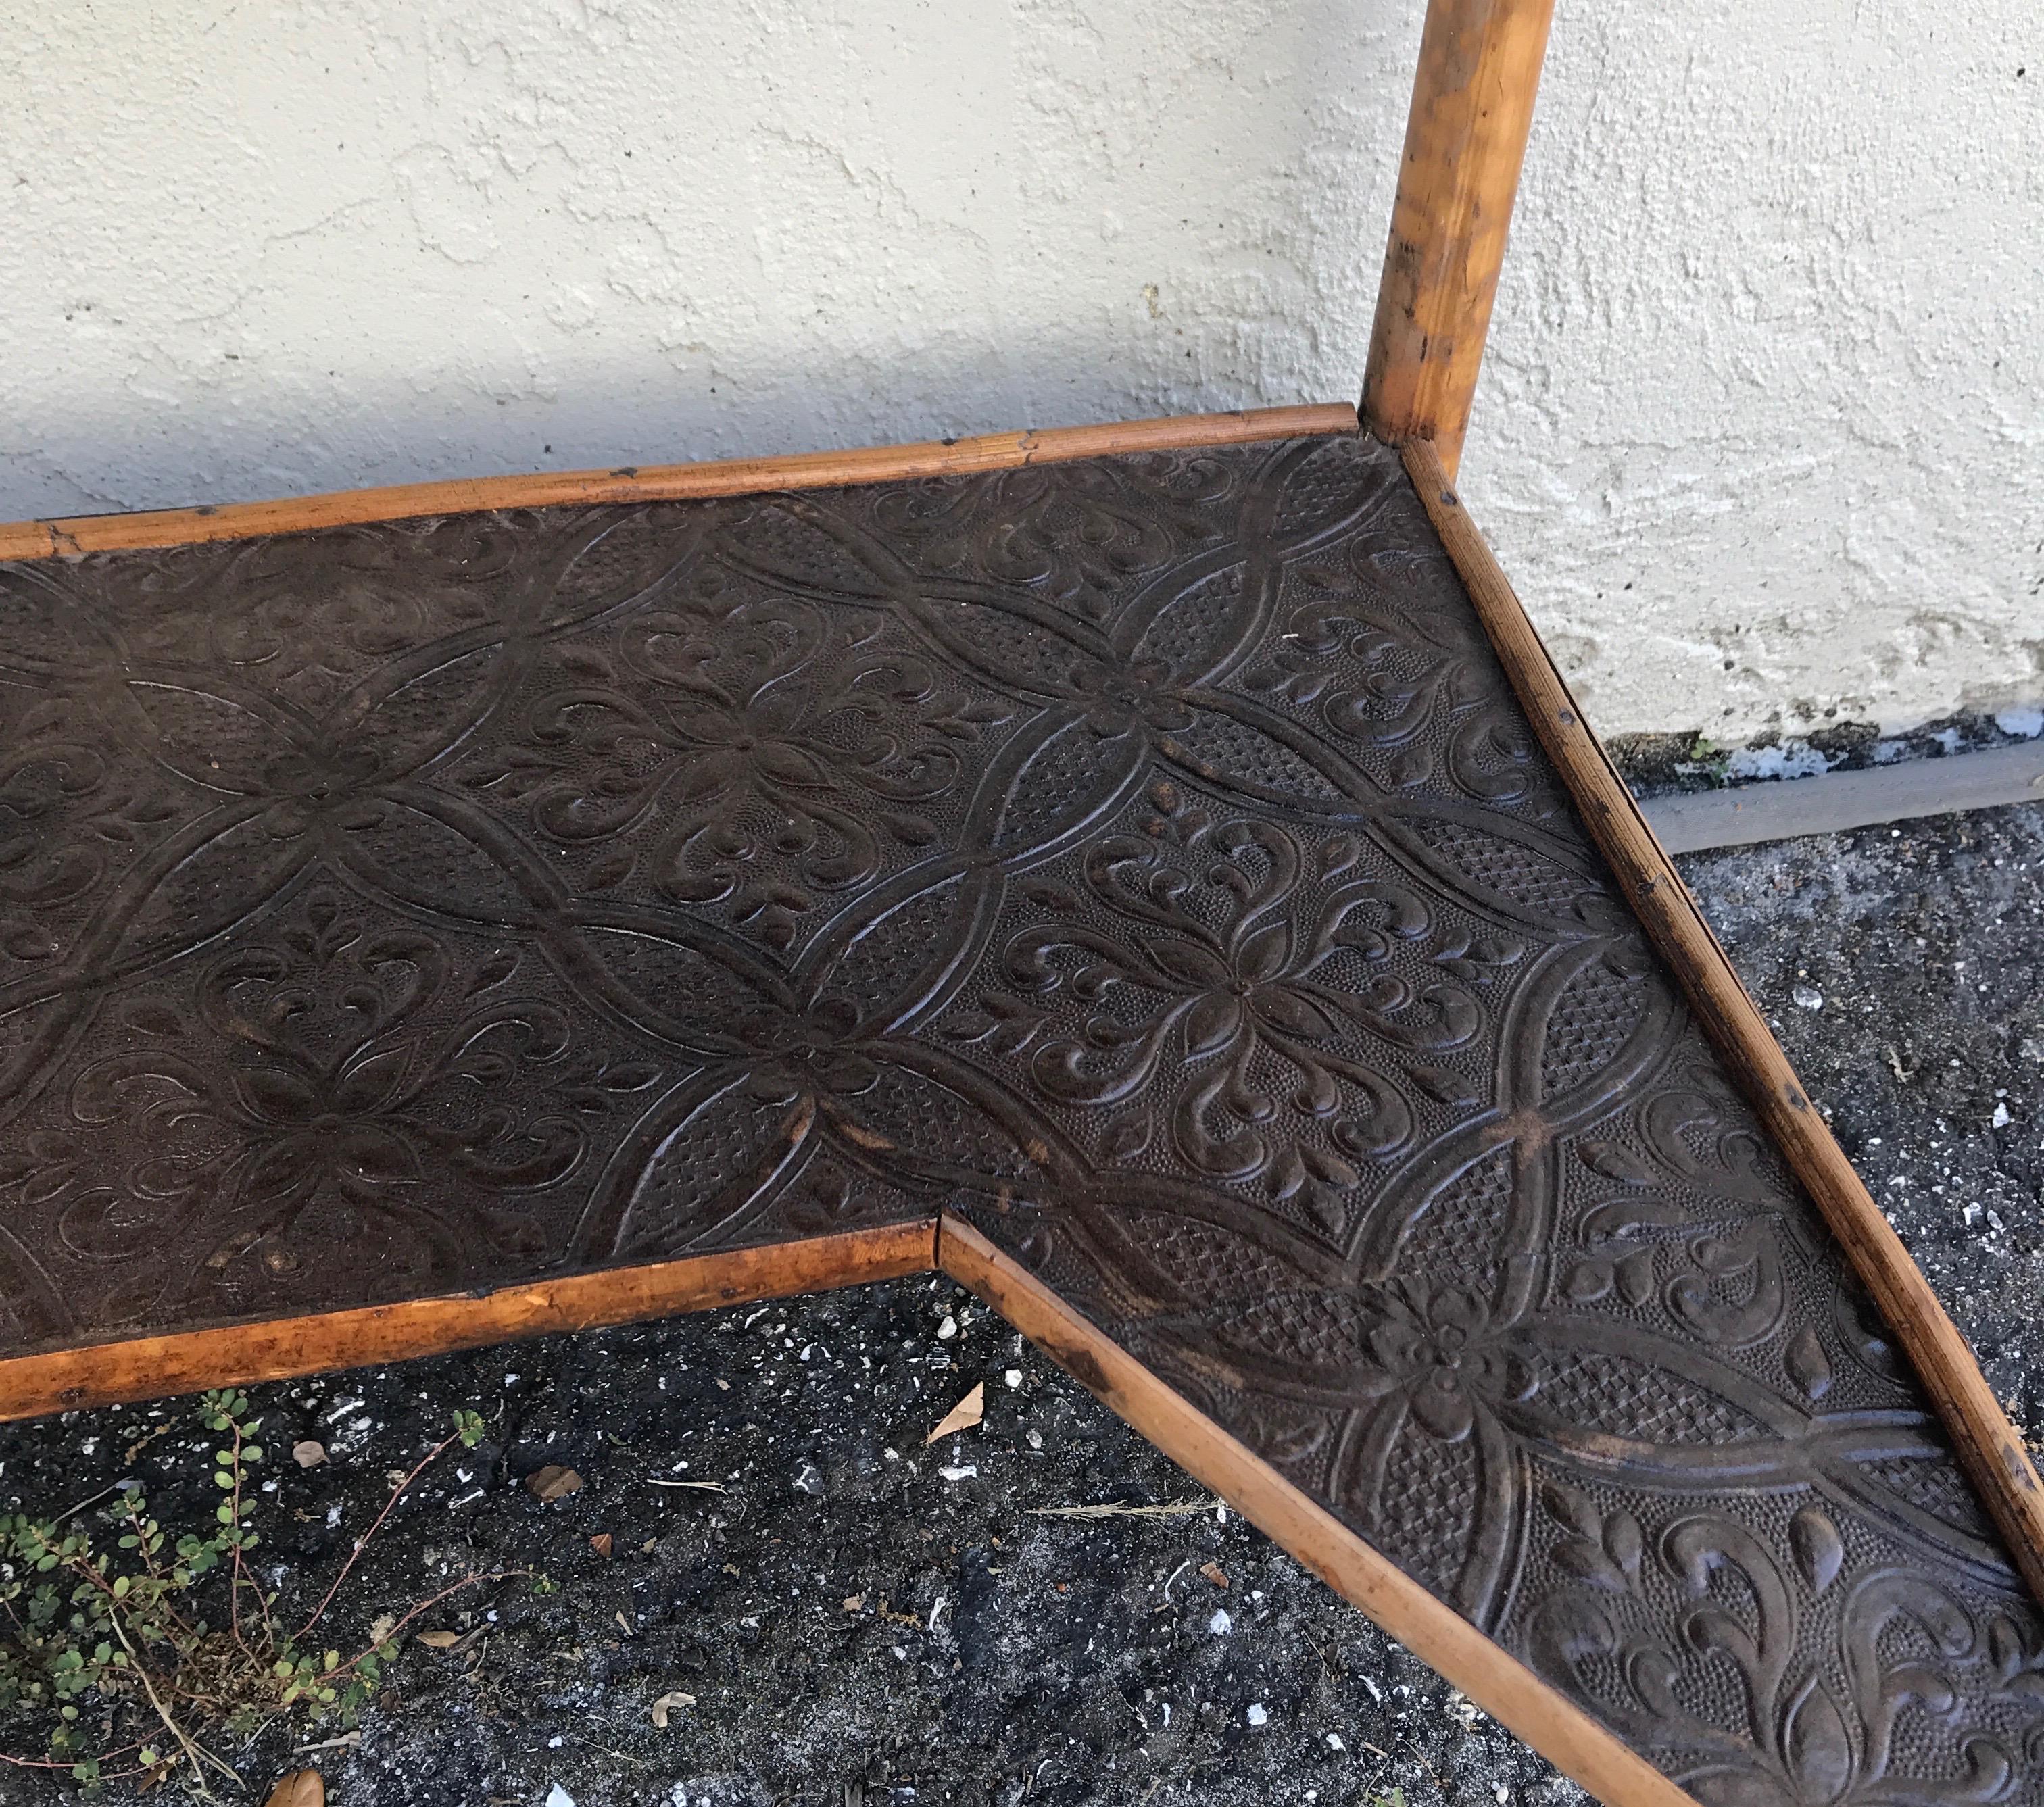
(1143, 857)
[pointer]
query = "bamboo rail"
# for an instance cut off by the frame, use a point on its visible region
(1465, 143)
(1990, 1447)
(76, 535)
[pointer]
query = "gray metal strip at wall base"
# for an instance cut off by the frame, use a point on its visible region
(1836, 802)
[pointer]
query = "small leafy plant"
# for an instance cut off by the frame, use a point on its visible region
(1710, 759)
(109, 1653)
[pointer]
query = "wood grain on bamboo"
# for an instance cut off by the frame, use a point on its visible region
(279, 1349)
(75, 536)
(1465, 143)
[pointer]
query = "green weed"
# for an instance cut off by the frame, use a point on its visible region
(125, 1654)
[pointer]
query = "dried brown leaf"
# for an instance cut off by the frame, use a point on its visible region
(301, 1788)
(601, 1543)
(1215, 1573)
(552, 1483)
(309, 1454)
(440, 1640)
(666, 1703)
(963, 1416)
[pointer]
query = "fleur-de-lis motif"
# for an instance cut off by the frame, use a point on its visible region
(1808, 1734)
(807, 1054)
(1228, 952)
(324, 784)
(319, 1072)
(1119, 699)
(778, 755)
(1450, 1361)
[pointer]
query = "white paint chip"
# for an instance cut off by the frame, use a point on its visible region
(1789, 759)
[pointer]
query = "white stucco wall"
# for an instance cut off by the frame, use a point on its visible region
(1770, 351)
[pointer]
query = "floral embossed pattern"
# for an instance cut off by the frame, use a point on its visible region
(1145, 857)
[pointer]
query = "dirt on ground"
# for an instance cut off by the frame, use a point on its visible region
(838, 1614)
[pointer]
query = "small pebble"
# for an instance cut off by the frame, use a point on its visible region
(1807, 997)
(1256, 1715)
(1220, 1625)
(948, 1329)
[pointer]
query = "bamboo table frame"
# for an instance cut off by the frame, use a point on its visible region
(1479, 61)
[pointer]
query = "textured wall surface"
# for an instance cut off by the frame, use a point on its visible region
(1762, 436)
(1762, 424)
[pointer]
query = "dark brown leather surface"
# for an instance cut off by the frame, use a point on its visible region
(1145, 858)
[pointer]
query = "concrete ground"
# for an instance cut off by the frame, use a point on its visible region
(860, 1619)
